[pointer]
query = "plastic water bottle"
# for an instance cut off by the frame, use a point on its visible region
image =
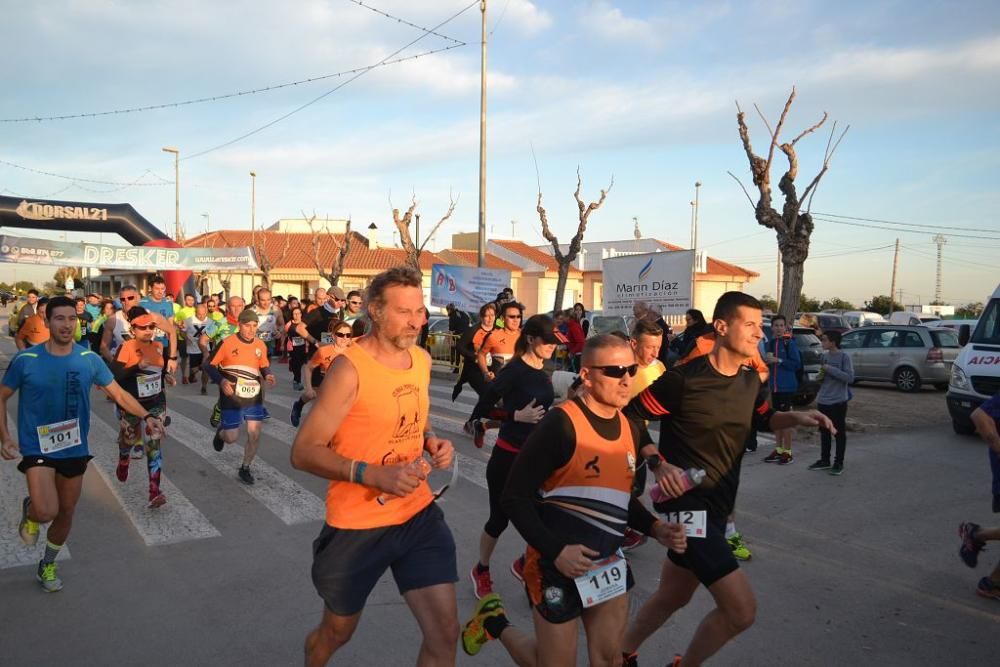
(418, 466)
(692, 477)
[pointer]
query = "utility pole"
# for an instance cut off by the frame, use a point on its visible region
(482, 144)
(940, 241)
(178, 235)
(513, 229)
(253, 209)
(207, 222)
(892, 290)
(416, 241)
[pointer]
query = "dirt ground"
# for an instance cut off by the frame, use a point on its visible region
(878, 407)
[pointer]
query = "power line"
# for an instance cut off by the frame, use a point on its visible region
(904, 231)
(360, 73)
(908, 224)
(226, 96)
(359, 3)
(78, 179)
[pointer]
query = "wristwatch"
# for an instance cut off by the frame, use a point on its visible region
(653, 462)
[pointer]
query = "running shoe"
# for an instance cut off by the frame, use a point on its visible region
(630, 660)
(298, 386)
(203, 391)
(739, 549)
(245, 476)
(751, 449)
(988, 589)
(633, 540)
(477, 429)
(216, 417)
(969, 551)
(27, 529)
(482, 582)
(296, 412)
(48, 578)
(121, 472)
(137, 452)
(820, 465)
(157, 500)
(517, 569)
(837, 469)
(786, 458)
(184, 380)
(217, 442)
(676, 662)
(773, 457)
(474, 634)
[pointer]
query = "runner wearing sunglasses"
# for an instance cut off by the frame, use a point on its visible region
(499, 347)
(569, 495)
(369, 426)
(319, 364)
(706, 407)
(525, 391)
(139, 367)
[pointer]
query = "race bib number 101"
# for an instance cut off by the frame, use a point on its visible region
(58, 436)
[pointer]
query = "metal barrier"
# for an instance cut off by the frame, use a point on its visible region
(442, 348)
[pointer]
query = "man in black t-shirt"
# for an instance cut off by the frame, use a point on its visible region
(705, 408)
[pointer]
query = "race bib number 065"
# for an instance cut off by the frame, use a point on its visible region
(693, 521)
(247, 388)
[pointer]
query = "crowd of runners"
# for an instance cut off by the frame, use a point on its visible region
(570, 469)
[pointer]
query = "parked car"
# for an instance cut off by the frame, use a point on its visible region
(908, 356)
(913, 318)
(862, 318)
(603, 324)
(957, 324)
(975, 375)
(826, 321)
(811, 351)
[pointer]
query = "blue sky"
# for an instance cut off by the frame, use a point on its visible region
(643, 91)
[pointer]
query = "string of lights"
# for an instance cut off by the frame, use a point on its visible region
(387, 15)
(907, 224)
(79, 179)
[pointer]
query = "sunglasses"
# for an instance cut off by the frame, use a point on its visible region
(130, 298)
(354, 303)
(144, 327)
(617, 372)
(512, 317)
(343, 335)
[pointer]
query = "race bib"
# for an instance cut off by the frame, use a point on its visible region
(159, 333)
(298, 341)
(692, 520)
(264, 335)
(247, 388)
(58, 436)
(608, 580)
(149, 385)
(326, 337)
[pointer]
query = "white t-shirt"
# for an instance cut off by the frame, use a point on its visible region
(193, 329)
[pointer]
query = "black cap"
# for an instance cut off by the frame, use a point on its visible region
(541, 326)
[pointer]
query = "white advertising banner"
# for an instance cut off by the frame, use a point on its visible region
(661, 279)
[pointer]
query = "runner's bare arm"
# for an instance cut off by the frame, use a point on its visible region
(987, 428)
(131, 405)
(167, 326)
(106, 336)
(10, 449)
(311, 450)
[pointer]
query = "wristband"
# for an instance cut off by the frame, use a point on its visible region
(146, 416)
(653, 461)
(172, 358)
(359, 472)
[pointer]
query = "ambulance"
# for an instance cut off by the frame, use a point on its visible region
(975, 375)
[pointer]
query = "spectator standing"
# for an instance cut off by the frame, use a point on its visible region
(837, 373)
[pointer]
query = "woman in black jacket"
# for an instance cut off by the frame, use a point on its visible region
(468, 347)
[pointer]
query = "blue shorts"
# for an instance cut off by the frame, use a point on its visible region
(233, 418)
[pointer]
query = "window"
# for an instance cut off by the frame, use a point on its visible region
(852, 341)
(988, 330)
(882, 339)
(910, 339)
(945, 339)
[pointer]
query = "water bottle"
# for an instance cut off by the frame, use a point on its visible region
(418, 466)
(692, 477)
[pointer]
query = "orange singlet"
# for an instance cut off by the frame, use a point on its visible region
(500, 345)
(34, 331)
(385, 425)
(324, 356)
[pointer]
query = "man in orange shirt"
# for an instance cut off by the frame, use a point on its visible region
(239, 365)
(35, 329)
(368, 435)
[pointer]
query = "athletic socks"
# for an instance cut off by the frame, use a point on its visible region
(480, 568)
(730, 529)
(51, 551)
(494, 625)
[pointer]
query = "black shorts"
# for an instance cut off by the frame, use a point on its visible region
(348, 563)
(552, 593)
(194, 360)
(182, 349)
(709, 558)
(782, 401)
(317, 378)
(71, 467)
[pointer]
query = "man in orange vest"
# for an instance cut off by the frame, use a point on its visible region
(367, 436)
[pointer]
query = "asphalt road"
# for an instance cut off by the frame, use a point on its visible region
(860, 569)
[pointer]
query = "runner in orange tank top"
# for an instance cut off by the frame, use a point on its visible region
(366, 434)
(499, 347)
(569, 495)
(315, 370)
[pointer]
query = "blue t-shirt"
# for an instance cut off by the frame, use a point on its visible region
(164, 308)
(54, 389)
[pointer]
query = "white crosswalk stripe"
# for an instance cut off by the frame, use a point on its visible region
(177, 521)
(13, 552)
(286, 499)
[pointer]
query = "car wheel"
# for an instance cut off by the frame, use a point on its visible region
(941, 386)
(963, 428)
(907, 379)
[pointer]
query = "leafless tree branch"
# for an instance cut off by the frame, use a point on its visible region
(451, 209)
(749, 198)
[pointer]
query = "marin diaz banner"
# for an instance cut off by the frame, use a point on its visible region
(468, 287)
(661, 279)
(141, 258)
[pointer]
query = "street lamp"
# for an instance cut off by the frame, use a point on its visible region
(177, 191)
(207, 222)
(253, 205)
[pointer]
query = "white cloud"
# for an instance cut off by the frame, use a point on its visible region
(523, 14)
(610, 23)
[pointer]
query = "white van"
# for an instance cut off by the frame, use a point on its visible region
(911, 318)
(975, 374)
(862, 318)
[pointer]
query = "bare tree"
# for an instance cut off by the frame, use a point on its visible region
(402, 223)
(266, 262)
(565, 260)
(333, 275)
(793, 226)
